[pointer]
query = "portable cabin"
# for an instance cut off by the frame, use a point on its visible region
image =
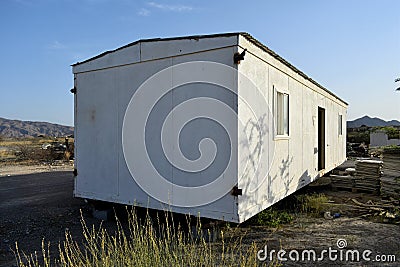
(215, 125)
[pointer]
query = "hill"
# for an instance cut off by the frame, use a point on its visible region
(371, 122)
(17, 128)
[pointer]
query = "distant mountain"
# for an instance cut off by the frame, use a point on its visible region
(371, 122)
(16, 128)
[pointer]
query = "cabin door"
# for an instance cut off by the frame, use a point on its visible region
(321, 138)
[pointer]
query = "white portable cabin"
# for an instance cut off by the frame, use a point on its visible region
(213, 125)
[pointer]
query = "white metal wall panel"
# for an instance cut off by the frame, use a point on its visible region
(331, 134)
(310, 126)
(298, 176)
(161, 49)
(128, 55)
(254, 138)
(128, 80)
(96, 130)
(279, 176)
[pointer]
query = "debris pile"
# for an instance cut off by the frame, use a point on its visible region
(368, 174)
(390, 180)
(386, 211)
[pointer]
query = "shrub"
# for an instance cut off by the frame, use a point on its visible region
(25, 151)
(271, 217)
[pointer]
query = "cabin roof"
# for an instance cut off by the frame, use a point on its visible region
(246, 35)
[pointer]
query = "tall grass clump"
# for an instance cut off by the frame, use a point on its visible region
(313, 204)
(144, 242)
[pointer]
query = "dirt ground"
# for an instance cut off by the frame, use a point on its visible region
(40, 205)
(12, 169)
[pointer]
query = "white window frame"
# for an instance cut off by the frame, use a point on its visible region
(340, 124)
(281, 113)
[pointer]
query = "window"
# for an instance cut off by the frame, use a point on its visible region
(340, 124)
(282, 114)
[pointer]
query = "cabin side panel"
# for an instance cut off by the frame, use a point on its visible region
(107, 177)
(306, 139)
(96, 135)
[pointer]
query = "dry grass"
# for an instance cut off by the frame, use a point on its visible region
(313, 204)
(15, 142)
(28, 151)
(148, 243)
(35, 141)
(6, 154)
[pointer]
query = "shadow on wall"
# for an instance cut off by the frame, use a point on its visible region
(282, 179)
(256, 132)
(279, 185)
(287, 183)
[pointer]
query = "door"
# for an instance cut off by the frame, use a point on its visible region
(321, 138)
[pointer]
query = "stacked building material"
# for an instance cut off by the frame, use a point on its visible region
(390, 180)
(368, 174)
(342, 181)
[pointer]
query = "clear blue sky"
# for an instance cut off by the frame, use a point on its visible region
(352, 47)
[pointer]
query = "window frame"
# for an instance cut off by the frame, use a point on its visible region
(281, 113)
(340, 124)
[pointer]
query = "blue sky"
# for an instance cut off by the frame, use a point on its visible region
(352, 47)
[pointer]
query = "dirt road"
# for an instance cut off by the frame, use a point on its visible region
(35, 206)
(33, 190)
